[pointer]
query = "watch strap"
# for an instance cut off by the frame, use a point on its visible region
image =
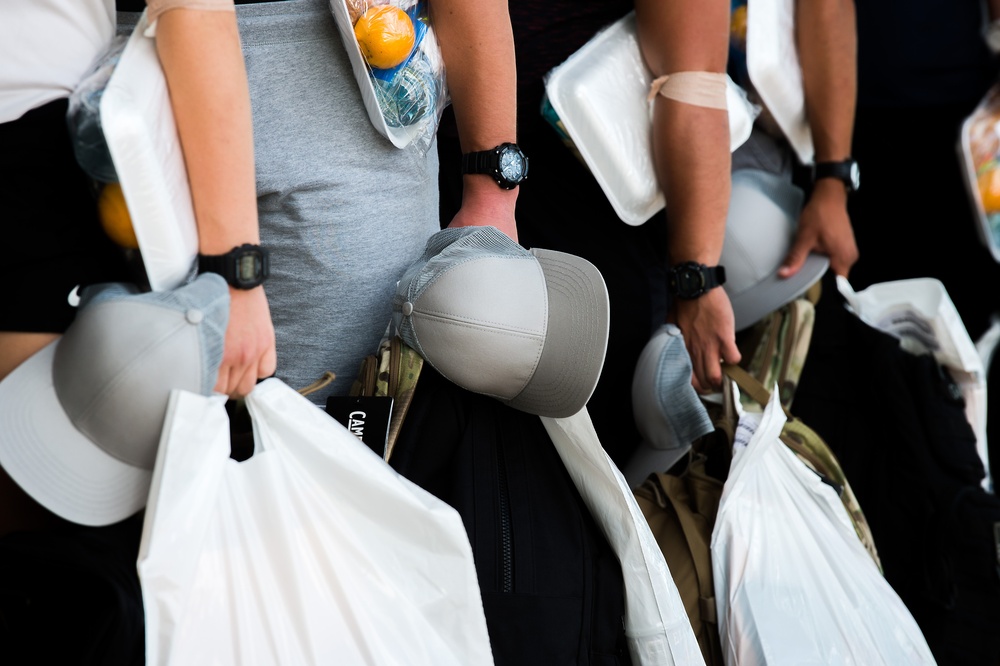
(842, 171)
(483, 161)
(215, 263)
(715, 276)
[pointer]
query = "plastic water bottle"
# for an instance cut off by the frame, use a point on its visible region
(410, 95)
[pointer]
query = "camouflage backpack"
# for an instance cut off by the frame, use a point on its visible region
(393, 371)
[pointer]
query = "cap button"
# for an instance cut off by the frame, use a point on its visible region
(194, 316)
(407, 309)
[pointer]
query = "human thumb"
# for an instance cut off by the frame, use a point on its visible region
(794, 260)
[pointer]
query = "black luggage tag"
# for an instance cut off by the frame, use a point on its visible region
(367, 417)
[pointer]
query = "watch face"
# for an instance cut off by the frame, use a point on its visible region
(511, 164)
(248, 267)
(855, 176)
(690, 282)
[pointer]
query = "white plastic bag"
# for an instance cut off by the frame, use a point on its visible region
(793, 583)
(921, 314)
(657, 627)
(313, 551)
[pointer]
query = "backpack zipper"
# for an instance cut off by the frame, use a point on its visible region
(506, 536)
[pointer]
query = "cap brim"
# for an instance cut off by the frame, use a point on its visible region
(755, 303)
(648, 459)
(52, 461)
(576, 338)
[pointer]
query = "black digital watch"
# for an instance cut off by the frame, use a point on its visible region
(243, 267)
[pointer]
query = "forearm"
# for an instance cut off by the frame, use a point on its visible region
(203, 64)
(826, 38)
(691, 147)
(477, 45)
(690, 143)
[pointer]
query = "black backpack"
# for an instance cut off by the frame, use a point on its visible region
(897, 423)
(70, 595)
(552, 587)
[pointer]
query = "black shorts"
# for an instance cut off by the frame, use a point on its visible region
(52, 238)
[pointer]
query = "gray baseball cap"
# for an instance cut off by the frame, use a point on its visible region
(763, 217)
(529, 328)
(668, 412)
(82, 417)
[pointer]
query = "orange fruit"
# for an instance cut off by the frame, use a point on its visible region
(989, 189)
(385, 35)
(115, 218)
(738, 24)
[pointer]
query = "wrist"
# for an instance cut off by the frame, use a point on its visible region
(481, 189)
(831, 189)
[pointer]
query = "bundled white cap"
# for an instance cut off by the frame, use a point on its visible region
(82, 417)
(763, 217)
(527, 328)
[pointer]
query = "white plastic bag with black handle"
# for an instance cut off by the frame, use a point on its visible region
(313, 551)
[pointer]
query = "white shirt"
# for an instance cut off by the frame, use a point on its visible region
(46, 46)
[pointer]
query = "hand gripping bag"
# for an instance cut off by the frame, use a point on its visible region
(313, 551)
(793, 583)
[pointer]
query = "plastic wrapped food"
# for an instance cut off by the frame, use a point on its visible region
(398, 65)
(979, 146)
(84, 115)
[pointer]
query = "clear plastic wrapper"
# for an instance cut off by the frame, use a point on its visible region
(398, 66)
(84, 115)
(979, 149)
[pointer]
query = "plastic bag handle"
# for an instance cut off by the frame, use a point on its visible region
(761, 395)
